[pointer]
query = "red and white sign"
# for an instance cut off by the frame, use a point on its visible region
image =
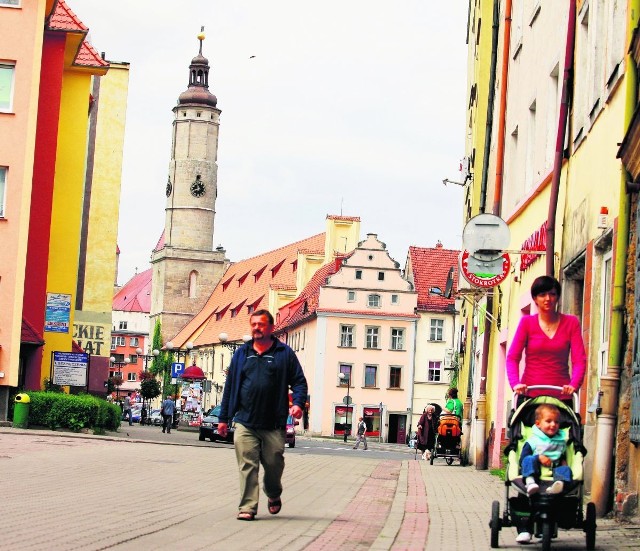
(483, 280)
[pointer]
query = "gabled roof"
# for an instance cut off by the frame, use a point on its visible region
(227, 309)
(306, 304)
(135, 294)
(429, 268)
(63, 19)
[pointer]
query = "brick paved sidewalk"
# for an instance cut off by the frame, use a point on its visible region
(64, 491)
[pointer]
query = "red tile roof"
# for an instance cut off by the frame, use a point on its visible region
(429, 268)
(88, 57)
(160, 244)
(295, 312)
(63, 19)
(29, 334)
(227, 309)
(135, 294)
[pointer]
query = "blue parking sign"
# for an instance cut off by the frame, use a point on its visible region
(176, 369)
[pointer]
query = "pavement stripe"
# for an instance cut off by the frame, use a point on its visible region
(415, 523)
(357, 527)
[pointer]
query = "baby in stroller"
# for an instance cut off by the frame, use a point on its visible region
(545, 447)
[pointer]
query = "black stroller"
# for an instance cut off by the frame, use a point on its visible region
(448, 439)
(546, 512)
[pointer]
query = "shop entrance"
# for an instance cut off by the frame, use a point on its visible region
(397, 428)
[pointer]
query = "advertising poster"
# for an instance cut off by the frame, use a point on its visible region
(57, 313)
(70, 368)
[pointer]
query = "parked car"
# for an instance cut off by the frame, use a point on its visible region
(156, 417)
(209, 427)
(290, 434)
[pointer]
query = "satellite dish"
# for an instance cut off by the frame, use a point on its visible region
(486, 236)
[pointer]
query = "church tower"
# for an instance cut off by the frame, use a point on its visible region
(185, 266)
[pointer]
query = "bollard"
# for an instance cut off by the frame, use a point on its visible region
(21, 411)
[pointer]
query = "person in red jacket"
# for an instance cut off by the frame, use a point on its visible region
(548, 339)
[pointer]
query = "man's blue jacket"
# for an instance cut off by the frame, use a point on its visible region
(289, 374)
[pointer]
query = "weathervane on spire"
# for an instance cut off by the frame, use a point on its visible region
(201, 38)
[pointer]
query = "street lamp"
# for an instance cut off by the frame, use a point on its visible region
(178, 351)
(224, 340)
(146, 406)
(119, 365)
(154, 354)
(346, 378)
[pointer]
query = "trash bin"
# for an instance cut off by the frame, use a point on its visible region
(21, 411)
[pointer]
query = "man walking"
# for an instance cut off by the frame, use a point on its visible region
(126, 408)
(168, 409)
(256, 396)
(361, 436)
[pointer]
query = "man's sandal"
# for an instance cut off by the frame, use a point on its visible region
(275, 505)
(246, 515)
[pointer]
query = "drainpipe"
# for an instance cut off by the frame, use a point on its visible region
(481, 404)
(562, 125)
(601, 485)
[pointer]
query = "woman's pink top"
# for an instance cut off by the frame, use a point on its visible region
(546, 359)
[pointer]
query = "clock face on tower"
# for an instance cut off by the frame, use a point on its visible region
(169, 187)
(198, 188)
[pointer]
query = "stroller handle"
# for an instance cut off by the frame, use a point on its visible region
(574, 396)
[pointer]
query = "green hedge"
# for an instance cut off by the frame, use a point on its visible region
(57, 410)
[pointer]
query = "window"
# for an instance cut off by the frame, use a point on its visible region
(373, 337)
(397, 339)
(435, 372)
(193, 284)
(133, 358)
(395, 377)
(380, 276)
(437, 327)
(358, 274)
(373, 301)
(116, 341)
(112, 374)
(346, 369)
(605, 302)
(6, 86)
(133, 341)
(394, 299)
(346, 336)
(370, 376)
(3, 185)
(122, 325)
(131, 376)
(351, 296)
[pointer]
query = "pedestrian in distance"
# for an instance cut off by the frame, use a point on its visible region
(126, 408)
(167, 411)
(453, 405)
(256, 397)
(360, 434)
(426, 433)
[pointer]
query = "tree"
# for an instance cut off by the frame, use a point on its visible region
(149, 386)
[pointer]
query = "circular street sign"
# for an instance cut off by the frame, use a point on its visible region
(485, 236)
(484, 274)
(347, 400)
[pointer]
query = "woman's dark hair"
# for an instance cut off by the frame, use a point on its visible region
(544, 284)
(453, 392)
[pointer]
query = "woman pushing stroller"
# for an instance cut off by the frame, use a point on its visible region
(548, 339)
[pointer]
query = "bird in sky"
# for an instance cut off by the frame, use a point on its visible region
(251, 56)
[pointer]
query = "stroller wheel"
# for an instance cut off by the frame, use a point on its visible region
(590, 526)
(495, 524)
(449, 460)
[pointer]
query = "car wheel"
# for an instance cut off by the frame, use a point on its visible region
(212, 439)
(292, 444)
(201, 437)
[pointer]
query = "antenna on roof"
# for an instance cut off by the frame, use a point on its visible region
(341, 202)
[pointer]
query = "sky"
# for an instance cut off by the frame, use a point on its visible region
(352, 107)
